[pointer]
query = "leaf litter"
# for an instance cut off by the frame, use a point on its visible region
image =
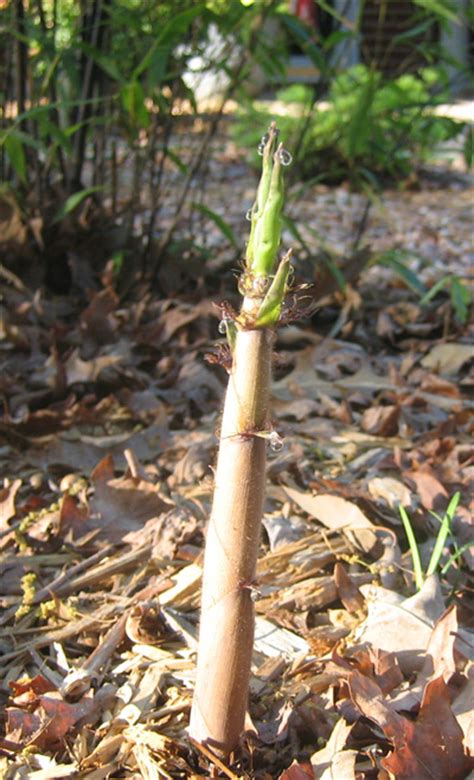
(107, 440)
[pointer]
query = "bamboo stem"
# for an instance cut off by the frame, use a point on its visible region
(232, 544)
(227, 615)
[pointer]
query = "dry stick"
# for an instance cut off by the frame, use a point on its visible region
(79, 680)
(76, 577)
(73, 629)
(107, 569)
(156, 177)
(114, 178)
(214, 760)
(54, 587)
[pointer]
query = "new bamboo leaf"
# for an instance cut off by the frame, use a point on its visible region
(267, 235)
(270, 309)
(266, 149)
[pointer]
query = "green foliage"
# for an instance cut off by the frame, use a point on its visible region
(219, 222)
(370, 128)
(270, 308)
(74, 201)
(14, 148)
(101, 87)
(394, 259)
(445, 523)
(459, 293)
(469, 147)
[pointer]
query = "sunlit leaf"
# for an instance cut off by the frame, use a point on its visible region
(173, 32)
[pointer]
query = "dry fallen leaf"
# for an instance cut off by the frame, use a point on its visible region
(429, 748)
(73, 517)
(462, 708)
(399, 625)
(79, 371)
(122, 505)
(430, 489)
(98, 321)
(336, 513)
(381, 420)
(377, 664)
(347, 590)
(41, 717)
(335, 761)
(298, 771)
(448, 358)
(390, 490)
(439, 660)
(7, 503)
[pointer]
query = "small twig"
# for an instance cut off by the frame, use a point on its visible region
(156, 176)
(109, 568)
(14, 280)
(65, 585)
(361, 226)
(61, 634)
(211, 756)
(80, 680)
(133, 463)
(114, 178)
(60, 584)
(53, 677)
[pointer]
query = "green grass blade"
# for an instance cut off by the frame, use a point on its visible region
(460, 299)
(455, 557)
(392, 259)
(433, 291)
(443, 534)
(415, 553)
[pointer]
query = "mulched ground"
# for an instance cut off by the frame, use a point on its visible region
(110, 412)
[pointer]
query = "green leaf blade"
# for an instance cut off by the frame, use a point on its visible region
(219, 222)
(74, 201)
(415, 553)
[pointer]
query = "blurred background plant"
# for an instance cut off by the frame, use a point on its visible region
(369, 130)
(110, 108)
(94, 94)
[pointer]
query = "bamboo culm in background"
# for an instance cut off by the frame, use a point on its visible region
(233, 536)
